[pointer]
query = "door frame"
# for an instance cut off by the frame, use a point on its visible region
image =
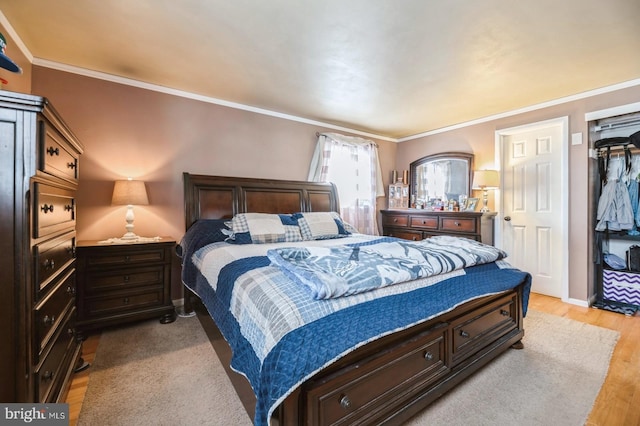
(563, 123)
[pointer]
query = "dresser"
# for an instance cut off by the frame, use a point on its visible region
(121, 283)
(416, 224)
(39, 166)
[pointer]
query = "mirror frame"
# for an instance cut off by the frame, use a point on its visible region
(465, 156)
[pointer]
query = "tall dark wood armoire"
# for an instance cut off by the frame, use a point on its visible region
(39, 159)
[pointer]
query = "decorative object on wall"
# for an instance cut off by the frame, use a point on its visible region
(129, 192)
(5, 61)
(485, 180)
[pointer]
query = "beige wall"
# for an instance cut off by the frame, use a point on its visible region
(480, 139)
(155, 137)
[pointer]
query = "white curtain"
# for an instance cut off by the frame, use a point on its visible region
(352, 164)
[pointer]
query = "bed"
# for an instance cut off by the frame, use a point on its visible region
(377, 356)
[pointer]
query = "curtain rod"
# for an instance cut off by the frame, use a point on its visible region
(373, 142)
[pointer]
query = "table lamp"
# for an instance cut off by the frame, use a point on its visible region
(129, 192)
(485, 180)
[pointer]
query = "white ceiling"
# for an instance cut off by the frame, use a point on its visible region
(394, 68)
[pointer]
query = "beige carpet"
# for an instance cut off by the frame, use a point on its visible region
(154, 374)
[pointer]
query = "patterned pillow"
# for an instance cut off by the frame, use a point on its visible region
(321, 225)
(261, 228)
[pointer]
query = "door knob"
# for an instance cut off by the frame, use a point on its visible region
(507, 218)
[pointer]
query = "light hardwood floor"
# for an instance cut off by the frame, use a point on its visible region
(617, 401)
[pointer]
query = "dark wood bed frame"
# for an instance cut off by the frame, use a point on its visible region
(386, 381)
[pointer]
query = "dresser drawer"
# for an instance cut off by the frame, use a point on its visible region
(121, 279)
(404, 234)
(427, 222)
(51, 258)
(123, 302)
(472, 333)
(380, 382)
(395, 220)
(54, 209)
(52, 369)
(58, 158)
(50, 311)
(123, 257)
(458, 224)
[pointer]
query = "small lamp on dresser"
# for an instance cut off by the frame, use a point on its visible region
(485, 180)
(129, 192)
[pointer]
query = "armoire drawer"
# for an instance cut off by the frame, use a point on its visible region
(51, 258)
(58, 158)
(50, 311)
(472, 333)
(54, 209)
(53, 367)
(347, 398)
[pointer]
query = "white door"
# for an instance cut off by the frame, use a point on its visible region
(534, 202)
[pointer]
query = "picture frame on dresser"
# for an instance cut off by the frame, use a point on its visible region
(471, 205)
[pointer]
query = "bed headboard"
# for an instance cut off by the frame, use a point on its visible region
(221, 197)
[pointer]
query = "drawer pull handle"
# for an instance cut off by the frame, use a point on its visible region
(424, 222)
(395, 220)
(46, 208)
(68, 207)
(456, 223)
(464, 334)
(70, 331)
(48, 375)
(127, 259)
(53, 151)
(125, 300)
(126, 278)
(48, 320)
(71, 290)
(49, 264)
(505, 313)
(345, 402)
(428, 356)
(415, 238)
(71, 165)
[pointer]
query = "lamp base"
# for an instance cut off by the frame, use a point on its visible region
(130, 236)
(485, 209)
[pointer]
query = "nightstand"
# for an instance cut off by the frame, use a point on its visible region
(121, 283)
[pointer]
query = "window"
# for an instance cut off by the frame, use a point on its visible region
(351, 163)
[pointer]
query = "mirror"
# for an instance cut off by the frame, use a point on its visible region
(442, 177)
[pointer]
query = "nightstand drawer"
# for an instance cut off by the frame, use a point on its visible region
(50, 311)
(458, 224)
(125, 257)
(115, 303)
(51, 258)
(125, 278)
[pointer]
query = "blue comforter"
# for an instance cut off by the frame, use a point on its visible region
(280, 335)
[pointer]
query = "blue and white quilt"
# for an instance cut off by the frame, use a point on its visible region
(350, 269)
(281, 335)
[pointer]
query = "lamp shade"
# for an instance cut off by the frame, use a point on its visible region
(129, 192)
(485, 179)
